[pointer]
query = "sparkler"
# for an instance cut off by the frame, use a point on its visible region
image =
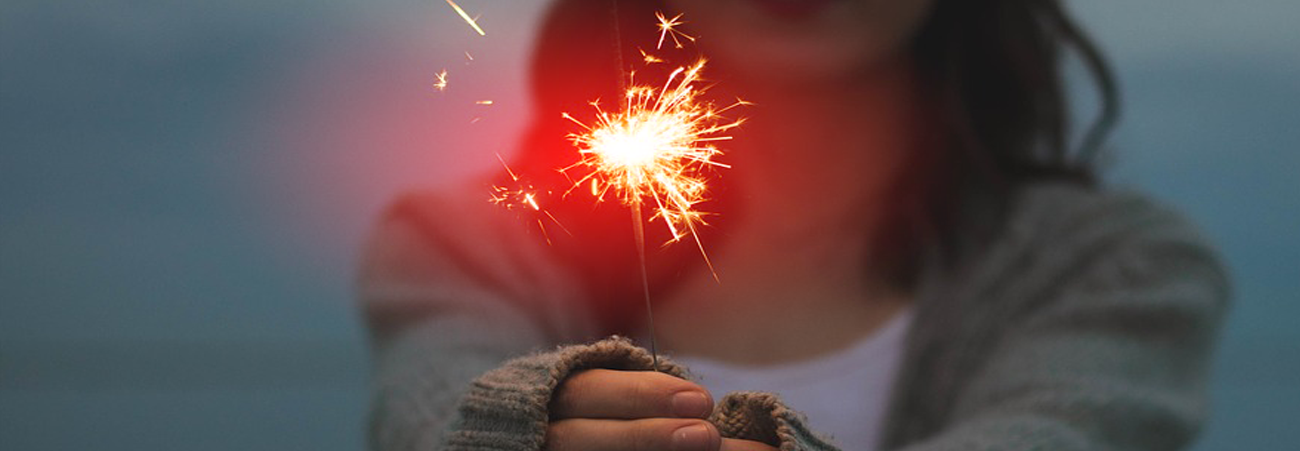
(658, 151)
(655, 153)
(469, 20)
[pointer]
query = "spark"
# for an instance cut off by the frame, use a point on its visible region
(483, 102)
(668, 28)
(469, 20)
(649, 58)
(441, 84)
(657, 150)
(522, 195)
(468, 58)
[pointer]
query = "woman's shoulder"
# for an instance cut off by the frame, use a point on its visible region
(463, 215)
(1074, 216)
(433, 246)
(451, 222)
(464, 222)
(455, 202)
(1058, 237)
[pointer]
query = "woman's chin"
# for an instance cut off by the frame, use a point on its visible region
(792, 9)
(794, 69)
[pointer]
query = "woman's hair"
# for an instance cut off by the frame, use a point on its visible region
(991, 70)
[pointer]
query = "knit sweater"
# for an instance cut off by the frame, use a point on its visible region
(1086, 324)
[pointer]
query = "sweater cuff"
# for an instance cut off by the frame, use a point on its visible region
(762, 417)
(507, 408)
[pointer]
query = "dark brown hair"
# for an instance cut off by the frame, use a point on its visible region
(992, 71)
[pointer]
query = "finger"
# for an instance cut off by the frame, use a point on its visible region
(600, 393)
(647, 434)
(731, 444)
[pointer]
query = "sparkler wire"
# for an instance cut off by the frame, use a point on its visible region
(638, 230)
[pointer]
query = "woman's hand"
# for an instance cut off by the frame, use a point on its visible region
(609, 410)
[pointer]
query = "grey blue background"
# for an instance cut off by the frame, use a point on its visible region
(184, 188)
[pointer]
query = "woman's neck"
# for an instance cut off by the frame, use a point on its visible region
(819, 156)
(809, 170)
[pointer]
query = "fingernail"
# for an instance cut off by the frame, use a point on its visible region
(695, 437)
(690, 404)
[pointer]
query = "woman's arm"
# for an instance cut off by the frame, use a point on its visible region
(451, 287)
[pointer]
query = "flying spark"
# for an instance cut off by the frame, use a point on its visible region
(463, 15)
(441, 83)
(668, 28)
(658, 150)
(523, 195)
(483, 102)
(649, 58)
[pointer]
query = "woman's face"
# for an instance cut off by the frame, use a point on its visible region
(800, 41)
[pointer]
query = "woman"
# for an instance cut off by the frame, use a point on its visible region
(905, 229)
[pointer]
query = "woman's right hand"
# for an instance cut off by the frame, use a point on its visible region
(610, 410)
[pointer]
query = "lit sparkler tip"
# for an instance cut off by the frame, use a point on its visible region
(469, 20)
(656, 151)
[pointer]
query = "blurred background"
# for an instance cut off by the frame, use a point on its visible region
(184, 188)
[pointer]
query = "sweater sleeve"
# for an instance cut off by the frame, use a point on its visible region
(452, 287)
(506, 409)
(1108, 347)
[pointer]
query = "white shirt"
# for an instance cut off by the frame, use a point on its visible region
(844, 394)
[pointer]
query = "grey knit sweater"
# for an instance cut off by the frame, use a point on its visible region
(1086, 325)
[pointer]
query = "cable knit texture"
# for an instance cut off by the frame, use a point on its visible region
(1086, 324)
